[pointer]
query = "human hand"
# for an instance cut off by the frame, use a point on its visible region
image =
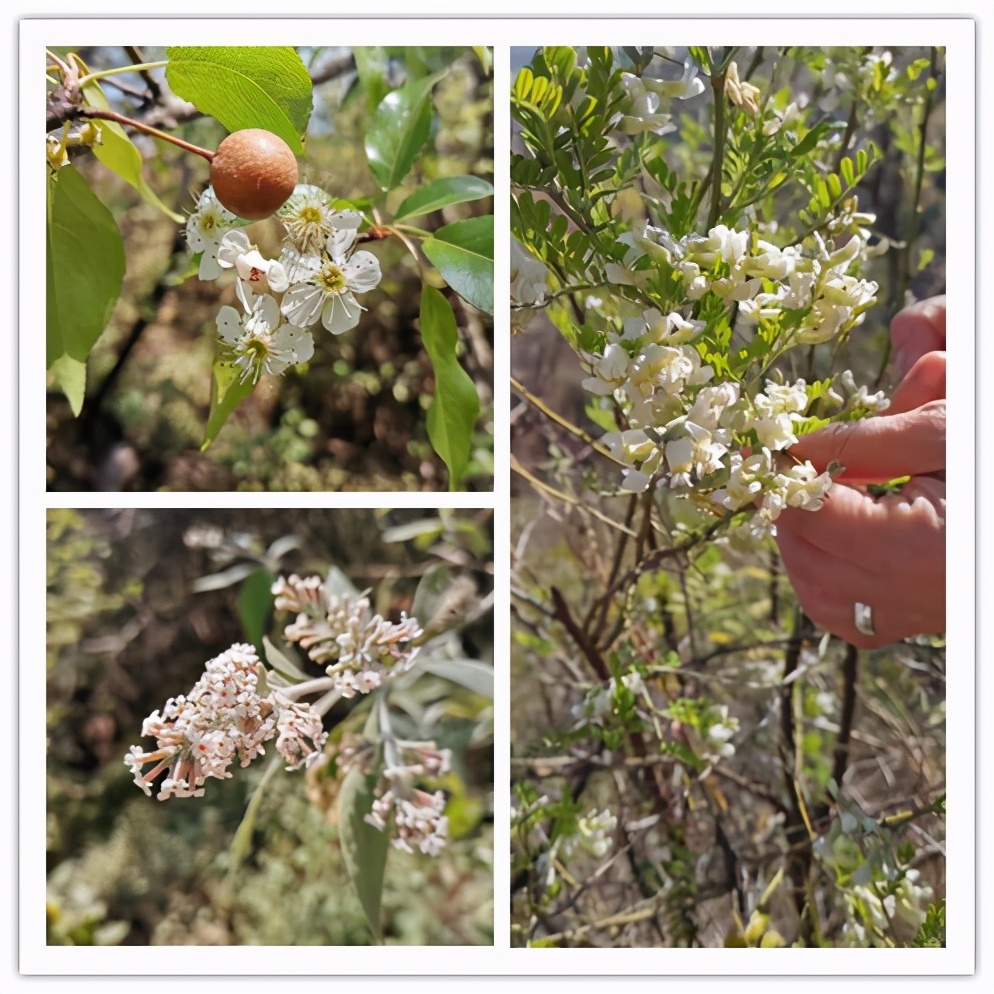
(888, 553)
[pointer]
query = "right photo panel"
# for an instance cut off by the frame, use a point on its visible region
(728, 496)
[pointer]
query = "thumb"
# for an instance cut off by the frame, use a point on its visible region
(878, 449)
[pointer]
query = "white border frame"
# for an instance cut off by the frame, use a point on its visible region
(958, 957)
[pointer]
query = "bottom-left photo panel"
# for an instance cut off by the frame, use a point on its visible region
(269, 727)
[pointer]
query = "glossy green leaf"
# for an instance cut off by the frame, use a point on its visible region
(84, 267)
(463, 252)
(70, 375)
(454, 410)
(364, 847)
(246, 86)
(120, 154)
(441, 193)
(373, 65)
(400, 128)
(255, 605)
(227, 392)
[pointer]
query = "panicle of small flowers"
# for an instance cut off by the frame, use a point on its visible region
(362, 649)
(224, 717)
(417, 816)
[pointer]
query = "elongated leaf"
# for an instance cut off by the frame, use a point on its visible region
(364, 847)
(427, 597)
(441, 193)
(84, 267)
(468, 673)
(282, 663)
(226, 578)
(463, 252)
(70, 374)
(120, 154)
(412, 529)
(241, 844)
(227, 392)
(246, 86)
(456, 405)
(399, 130)
(255, 604)
(373, 64)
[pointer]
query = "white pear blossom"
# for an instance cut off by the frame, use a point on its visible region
(259, 342)
(310, 219)
(256, 275)
(205, 228)
(328, 290)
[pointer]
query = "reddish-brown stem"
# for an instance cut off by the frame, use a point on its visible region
(110, 115)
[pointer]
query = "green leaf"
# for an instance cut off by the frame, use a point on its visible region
(227, 392)
(454, 410)
(255, 604)
(364, 847)
(431, 589)
(70, 374)
(120, 154)
(469, 673)
(84, 267)
(463, 252)
(441, 193)
(281, 663)
(399, 130)
(241, 844)
(246, 86)
(373, 64)
(845, 167)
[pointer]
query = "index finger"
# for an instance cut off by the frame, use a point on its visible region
(916, 330)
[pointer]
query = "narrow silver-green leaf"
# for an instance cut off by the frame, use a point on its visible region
(281, 663)
(441, 193)
(364, 847)
(463, 252)
(246, 86)
(468, 673)
(84, 267)
(454, 410)
(399, 130)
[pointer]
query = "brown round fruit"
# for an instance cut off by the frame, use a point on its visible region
(253, 173)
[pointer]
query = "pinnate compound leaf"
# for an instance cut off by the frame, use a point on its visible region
(463, 252)
(364, 847)
(399, 130)
(454, 410)
(84, 267)
(227, 392)
(246, 86)
(120, 154)
(441, 193)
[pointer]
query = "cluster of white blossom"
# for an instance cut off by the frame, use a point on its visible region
(314, 281)
(874, 908)
(223, 717)
(414, 818)
(594, 832)
(643, 109)
(715, 436)
(362, 649)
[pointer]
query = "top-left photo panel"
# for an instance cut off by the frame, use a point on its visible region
(269, 268)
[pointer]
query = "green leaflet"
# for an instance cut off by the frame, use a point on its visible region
(441, 193)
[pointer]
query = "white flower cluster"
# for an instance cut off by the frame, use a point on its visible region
(875, 907)
(715, 436)
(419, 822)
(642, 107)
(362, 649)
(594, 832)
(199, 735)
(315, 279)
